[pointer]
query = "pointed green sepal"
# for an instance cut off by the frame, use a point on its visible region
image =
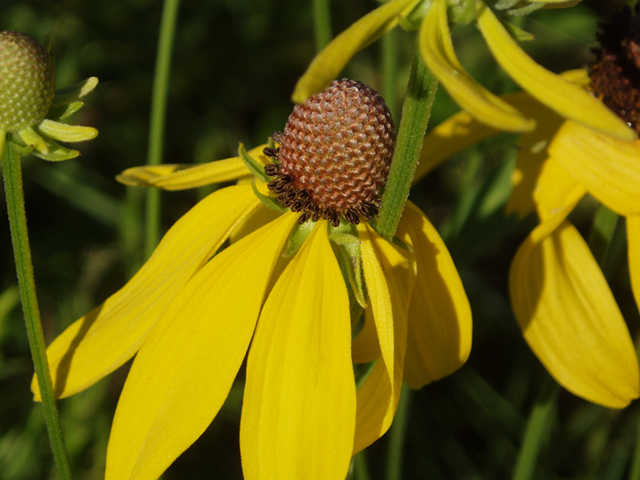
(56, 152)
(299, 234)
(33, 140)
(267, 201)
(61, 112)
(74, 92)
(252, 164)
(66, 133)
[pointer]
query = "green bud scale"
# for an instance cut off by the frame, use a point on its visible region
(27, 81)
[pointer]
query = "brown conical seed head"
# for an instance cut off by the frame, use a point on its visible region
(27, 81)
(338, 146)
(615, 74)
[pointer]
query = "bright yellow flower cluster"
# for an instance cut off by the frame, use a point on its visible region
(190, 315)
(561, 299)
(280, 292)
(434, 38)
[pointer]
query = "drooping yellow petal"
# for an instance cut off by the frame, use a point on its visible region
(379, 295)
(101, 341)
(365, 347)
(184, 371)
(329, 62)
(633, 241)
(462, 130)
(440, 58)
(439, 323)
(531, 156)
(523, 182)
(390, 278)
(184, 176)
(566, 98)
(571, 320)
(556, 193)
(609, 168)
(298, 417)
(259, 217)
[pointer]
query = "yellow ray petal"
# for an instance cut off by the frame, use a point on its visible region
(377, 405)
(330, 62)
(523, 180)
(609, 168)
(184, 176)
(570, 319)
(463, 130)
(440, 58)
(183, 373)
(566, 98)
(390, 278)
(633, 241)
(101, 341)
(298, 417)
(366, 346)
(531, 156)
(556, 192)
(261, 216)
(439, 324)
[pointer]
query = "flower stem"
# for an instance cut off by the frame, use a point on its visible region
(158, 109)
(361, 469)
(421, 93)
(390, 70)
(24, 268)
(602, 230)
(537, 429)
(397, 436)
(635, 464)
(321, 23)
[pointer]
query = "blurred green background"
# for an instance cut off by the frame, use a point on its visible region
(235, 64)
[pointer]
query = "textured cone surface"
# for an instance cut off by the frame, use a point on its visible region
(615, 75)
(338, 146)
(27, 81)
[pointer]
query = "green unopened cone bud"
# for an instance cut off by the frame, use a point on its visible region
(27, 81)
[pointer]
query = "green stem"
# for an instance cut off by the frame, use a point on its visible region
(635, 464)
(397, 435)
(389, 43)
(24, 268)
(158, 109)
(602, 230)
(361, 468)
(321, 23)
(416, 111)
(536, 431)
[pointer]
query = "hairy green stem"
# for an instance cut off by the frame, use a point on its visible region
(321, 23)
(397, 435)
(421, 93)
(156, 127)
(390, 63)
(11, 169)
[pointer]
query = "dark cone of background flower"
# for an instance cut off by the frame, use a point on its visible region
(27, 81)
(615, 75)
(335, 153)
